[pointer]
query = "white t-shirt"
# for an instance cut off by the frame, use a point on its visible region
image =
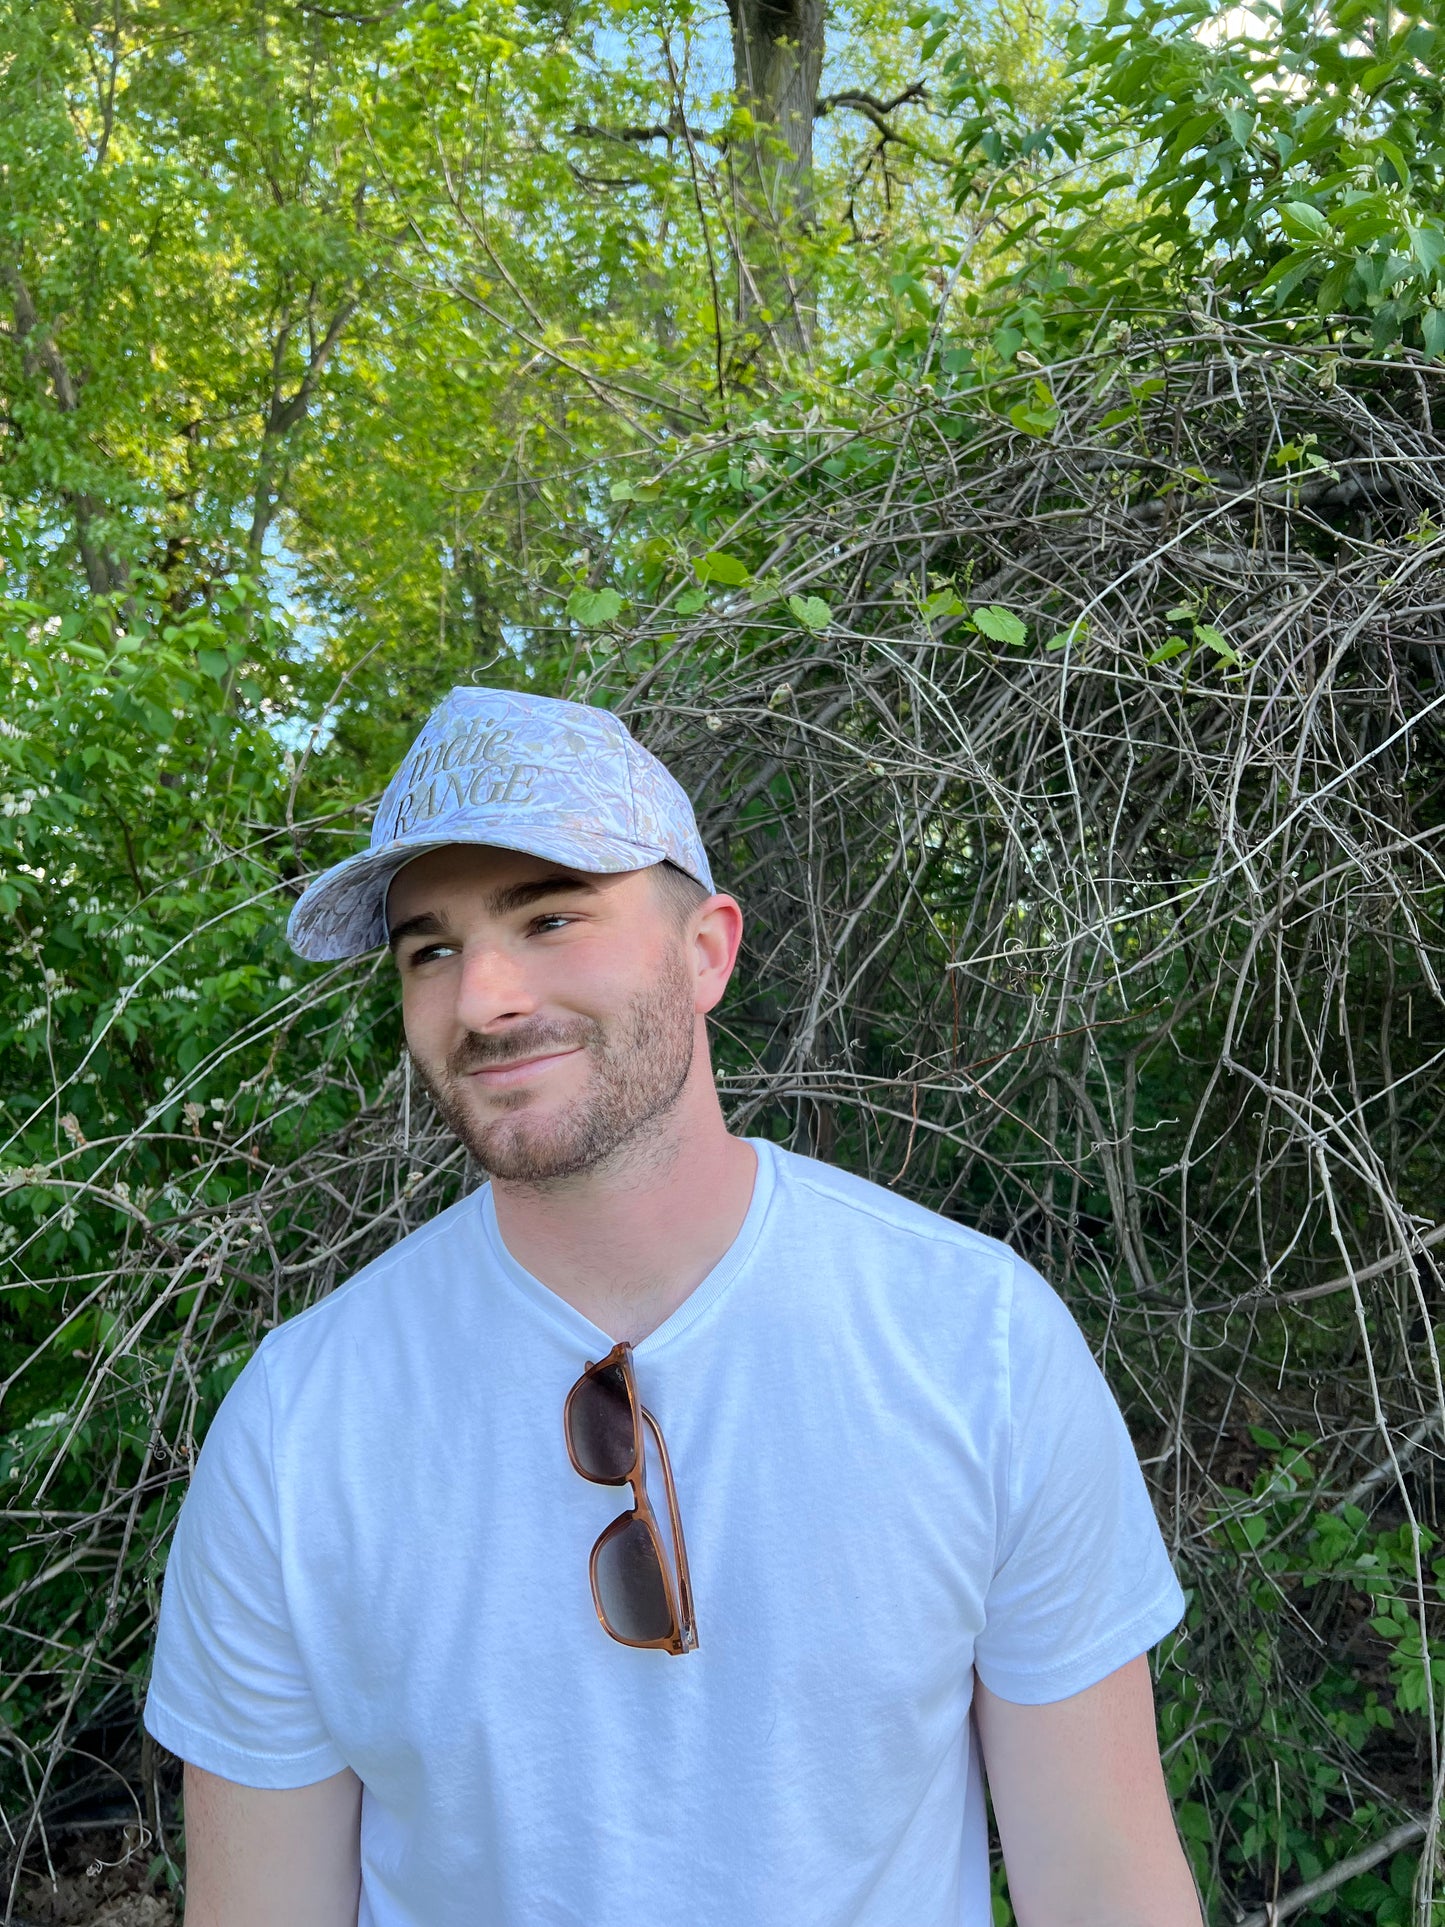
(896, 1464)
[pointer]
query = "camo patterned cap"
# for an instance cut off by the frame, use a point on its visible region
(556, 779)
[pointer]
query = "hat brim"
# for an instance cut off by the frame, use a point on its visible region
(342, 913)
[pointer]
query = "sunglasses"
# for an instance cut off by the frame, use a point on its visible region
(632, 1584)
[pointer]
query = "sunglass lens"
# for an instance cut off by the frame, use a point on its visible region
(630, 1585)
(600, 1426)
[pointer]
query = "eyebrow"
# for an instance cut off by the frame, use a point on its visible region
(428, 924)
(501, 902)
(517, 896)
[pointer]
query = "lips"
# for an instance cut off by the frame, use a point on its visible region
(519, 1070)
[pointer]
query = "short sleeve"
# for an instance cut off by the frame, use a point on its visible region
(1082, 1581)
(229, 1692)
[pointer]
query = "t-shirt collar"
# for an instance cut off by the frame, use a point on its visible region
(580, 1330)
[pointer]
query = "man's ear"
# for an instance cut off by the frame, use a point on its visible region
(717, 931)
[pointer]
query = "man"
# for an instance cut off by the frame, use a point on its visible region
(853, 1499)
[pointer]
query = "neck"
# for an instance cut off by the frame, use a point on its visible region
(628, 1241)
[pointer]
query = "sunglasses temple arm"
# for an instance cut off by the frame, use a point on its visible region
(686, 1621)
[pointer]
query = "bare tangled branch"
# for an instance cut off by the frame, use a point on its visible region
(1078, 760)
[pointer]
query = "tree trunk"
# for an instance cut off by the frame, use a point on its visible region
(777, 63)
(284, 411)
(105, 572)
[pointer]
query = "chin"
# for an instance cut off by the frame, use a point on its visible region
(527, 1144)
(532, 1160)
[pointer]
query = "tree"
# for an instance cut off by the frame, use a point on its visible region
(1007, 483)
(1284, 165)
(777, 65)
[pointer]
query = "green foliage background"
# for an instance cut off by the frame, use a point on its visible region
(347, 356)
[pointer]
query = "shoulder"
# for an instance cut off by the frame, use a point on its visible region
(921, 1253)
(360, 1350)
(870, 1211)
(399, 1287)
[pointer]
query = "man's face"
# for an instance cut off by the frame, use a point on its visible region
(553, 1016)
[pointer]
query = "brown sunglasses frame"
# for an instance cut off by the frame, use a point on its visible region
(682, 1634)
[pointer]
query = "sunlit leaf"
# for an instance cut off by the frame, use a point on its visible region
(811, 611)
(594, 608)
(1000, 625)
(719, 566)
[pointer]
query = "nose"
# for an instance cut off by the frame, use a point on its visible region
(492, 988)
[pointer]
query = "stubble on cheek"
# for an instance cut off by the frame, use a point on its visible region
(633, 1069)
(482, 1118)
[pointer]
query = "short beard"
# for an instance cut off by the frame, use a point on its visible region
(640, 1063)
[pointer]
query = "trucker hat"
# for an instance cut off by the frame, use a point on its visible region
(559, 780)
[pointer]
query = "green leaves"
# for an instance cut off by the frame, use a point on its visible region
(634, 491)
(992, 620)
(127, 753)
(1293, 175)
(719, 566)
(812, 612)
(1305, 451)
(909, 288)
(594, 608)
(1202, 635)
(1000, 625)
(1303, 222)
(1208, 637)
(1039, 414)
(942, 604)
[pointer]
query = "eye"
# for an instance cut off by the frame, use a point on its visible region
(426, 953)
(553, 920)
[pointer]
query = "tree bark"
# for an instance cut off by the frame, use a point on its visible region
(105, 572)
(284, 411)
(777, 63)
